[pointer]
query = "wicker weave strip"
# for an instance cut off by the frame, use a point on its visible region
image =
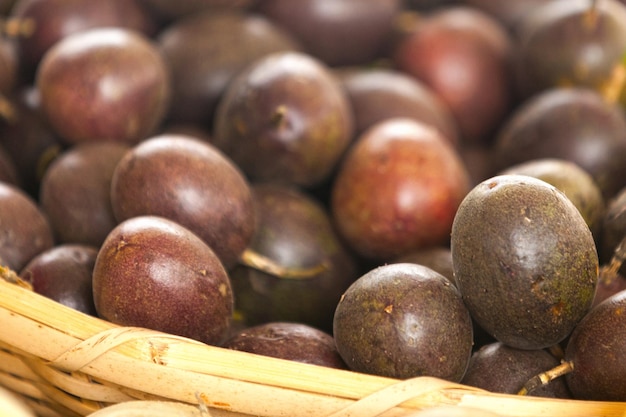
(24, 387)
(393, 396)
(12, 364)
(86, 351)
(75, 352)
(79, 384)
(43, 410)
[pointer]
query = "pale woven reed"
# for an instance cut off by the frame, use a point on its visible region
(65, 363)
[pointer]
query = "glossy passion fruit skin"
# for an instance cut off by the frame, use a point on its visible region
(152, 272)
(496, 367)
(571, 43)
(596, 348)
(576, 183)
(293, 341)
(285, 118)
(295, 232)
(190, 182)
(404, 320)
(390, 195)
(108, 84)
(524, 260)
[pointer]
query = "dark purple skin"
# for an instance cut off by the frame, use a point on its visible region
(24, 230)
(576, 183)
(189, 181)
(524, 260)
(477, 46)
(59, 18)
(63, 273)
(509, 12)
(29, 140)
(295, 231)
(428, 5)
(402, 321)
(168, 11)
(596, 349)
(152, 272)
(351, 32)
(8, 171)
(389, 197)
(122, 94)
(608, 285)
(613, 226)
(437, 258)
(565, 123)
(285, 118)
(75, 192)
(497, 367)
(378, 94)
(288, 340)
(232, 39)
(554, 40)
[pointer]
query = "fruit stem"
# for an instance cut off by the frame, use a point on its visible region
(612, 89)
(546, 377)
(407, 21)
(16, 27)
(279, 116)
(11, 277)
(619, 255)
(7, 110)
(262, 263)
(46, 157)
(590, 17)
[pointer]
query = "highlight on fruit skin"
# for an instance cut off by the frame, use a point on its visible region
(524, 260)
(576, 183)
(555, 40)
(404, 320)
(100, 98)
(397, 189)
(527, 263)
(154, 273)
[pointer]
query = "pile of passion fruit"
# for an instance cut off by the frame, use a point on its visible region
(397, 187)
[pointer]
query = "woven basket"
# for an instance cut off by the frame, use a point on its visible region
(65, 363)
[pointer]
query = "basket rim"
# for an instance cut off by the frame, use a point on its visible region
(154, 362)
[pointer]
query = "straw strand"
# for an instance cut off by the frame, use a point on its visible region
(88, 350)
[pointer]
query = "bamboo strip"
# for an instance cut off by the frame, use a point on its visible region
(42, 410)
(23, 387)
(156, 378)
(170, 367)
(12, 364)
(81, 387)
(67, 405)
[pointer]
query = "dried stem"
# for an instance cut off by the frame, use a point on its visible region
(17, 27)
(11, 276)
(612, 89)
(46, 157)
(590, 17)
(262, 263)
(7, 110)
(407, 21)
(546, 377)
(610, 272)
(279, 116)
